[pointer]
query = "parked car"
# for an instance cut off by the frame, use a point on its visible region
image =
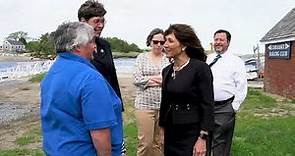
(253, 71)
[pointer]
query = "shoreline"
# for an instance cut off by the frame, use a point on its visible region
(19, 98)
(25, 57)
(16, 58)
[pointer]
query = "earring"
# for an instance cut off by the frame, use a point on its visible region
(182, 49)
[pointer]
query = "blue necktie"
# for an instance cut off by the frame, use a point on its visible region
(215, 60)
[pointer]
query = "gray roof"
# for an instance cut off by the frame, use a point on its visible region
(285, 28)
(12, 42)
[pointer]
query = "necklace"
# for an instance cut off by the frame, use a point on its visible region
(176, 69)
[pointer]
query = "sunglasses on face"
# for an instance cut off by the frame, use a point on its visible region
(157, 42)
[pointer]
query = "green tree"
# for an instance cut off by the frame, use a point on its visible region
(17, 35)
(43, 47)
(32, 46)
(23, 40)
(46, 45)
(134, 47)
(119, 45)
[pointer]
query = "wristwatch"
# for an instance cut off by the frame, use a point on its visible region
(204, 135)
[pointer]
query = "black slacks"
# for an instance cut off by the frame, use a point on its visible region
(224, 117)
(180, 139)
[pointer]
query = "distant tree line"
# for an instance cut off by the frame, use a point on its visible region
(44, 47)
(119, 45)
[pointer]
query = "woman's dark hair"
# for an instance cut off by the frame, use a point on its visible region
(152, 34)
(187, 37)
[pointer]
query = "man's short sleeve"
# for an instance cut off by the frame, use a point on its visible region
(97, 104)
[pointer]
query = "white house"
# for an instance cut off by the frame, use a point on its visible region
(13, 46)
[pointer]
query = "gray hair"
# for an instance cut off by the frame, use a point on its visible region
(71, 34)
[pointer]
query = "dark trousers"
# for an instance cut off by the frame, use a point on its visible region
(224, 117)
(180, 139)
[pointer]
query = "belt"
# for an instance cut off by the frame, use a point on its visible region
(224, 101)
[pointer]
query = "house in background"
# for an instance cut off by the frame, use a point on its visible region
(279, 73)
(13, 46)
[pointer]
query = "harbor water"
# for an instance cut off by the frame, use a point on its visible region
(15, 70)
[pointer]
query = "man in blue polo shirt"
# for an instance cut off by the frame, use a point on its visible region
(80, 112)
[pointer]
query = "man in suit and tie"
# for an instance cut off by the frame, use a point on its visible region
(230, 90)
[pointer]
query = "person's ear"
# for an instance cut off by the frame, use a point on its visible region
(83, 19)
(76, 47)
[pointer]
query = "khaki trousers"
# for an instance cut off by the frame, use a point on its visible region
(148, 133)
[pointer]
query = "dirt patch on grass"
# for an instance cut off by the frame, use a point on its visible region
(19, 102)
(16, 129)
(128, 94)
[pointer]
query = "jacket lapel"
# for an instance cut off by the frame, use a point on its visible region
(166, 73)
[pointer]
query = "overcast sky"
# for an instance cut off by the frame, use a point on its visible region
(132, 20)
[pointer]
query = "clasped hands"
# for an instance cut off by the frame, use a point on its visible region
(155, 80)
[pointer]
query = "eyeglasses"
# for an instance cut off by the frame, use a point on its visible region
(157, 42)
(99, 20)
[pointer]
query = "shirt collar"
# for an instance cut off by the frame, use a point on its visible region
(226, 53)
(74, 57)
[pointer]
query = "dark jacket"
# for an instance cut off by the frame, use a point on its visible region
(195, 102)
(103, 62)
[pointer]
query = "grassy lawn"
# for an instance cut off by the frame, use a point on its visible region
(37, 77)
(264, 127)
(25, 142)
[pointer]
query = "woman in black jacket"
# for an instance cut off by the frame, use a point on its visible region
(186, 112)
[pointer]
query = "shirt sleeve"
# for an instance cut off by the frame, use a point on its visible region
(240, 80)
(98, 104)
(139, 79)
